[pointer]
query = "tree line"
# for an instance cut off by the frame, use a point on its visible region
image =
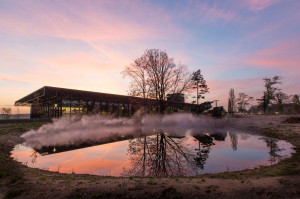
(6, 112)
(272, 96)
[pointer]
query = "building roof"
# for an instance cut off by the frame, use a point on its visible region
(48, 94)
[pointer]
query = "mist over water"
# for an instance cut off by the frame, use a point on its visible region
(76, 130)
(179, 144)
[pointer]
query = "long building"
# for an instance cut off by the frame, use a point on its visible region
(53, 102)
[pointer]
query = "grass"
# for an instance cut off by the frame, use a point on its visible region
(13, 193)
(19, 127)
(151, 181)
(196, 187)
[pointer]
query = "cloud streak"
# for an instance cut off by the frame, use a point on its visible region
(258, 5)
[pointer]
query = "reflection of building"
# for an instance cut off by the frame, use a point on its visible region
(51, 102)
(46, 150)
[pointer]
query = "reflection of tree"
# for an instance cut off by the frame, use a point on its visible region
(157, 155)
(202, 152)
(273, 149)
(34, 156)
(138, 148)
(220, 136)
(244, 136)
(234, 141)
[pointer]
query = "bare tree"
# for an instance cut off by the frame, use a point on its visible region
(199, 83)
(231, 102)
(243, 101)
(155, 75)
(270, 91)
(139, 85)
(6, 112)
(280, 99)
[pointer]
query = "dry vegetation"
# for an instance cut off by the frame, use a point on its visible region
(277, 181)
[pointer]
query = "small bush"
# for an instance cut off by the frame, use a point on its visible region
(13, 193)
(292, 120)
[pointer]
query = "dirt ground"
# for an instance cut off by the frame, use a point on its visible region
(278, 181)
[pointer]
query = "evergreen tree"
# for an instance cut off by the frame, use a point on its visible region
(231, 102)
(199, 84)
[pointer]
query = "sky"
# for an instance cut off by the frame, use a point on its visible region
(86, 44)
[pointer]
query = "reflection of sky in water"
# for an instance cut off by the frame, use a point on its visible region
(111, 159)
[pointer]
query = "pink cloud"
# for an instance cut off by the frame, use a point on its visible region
(258, 5)
(90, 21)
(284, 55)
(82, 61)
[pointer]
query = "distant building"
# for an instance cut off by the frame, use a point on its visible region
(176, 97)
(218, 111)
(53, 102)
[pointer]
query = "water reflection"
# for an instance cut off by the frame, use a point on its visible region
(157, 155)
(273, 149)
(234, 141)
(34, 155)
(220, 136)
(204, 144)
(161, 154)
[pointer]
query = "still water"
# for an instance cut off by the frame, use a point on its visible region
(160, 155)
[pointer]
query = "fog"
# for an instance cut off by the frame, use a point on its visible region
(80, 129)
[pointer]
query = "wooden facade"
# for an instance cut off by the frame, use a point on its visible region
(53, 102)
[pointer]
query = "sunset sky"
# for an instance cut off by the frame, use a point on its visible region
(86, 44)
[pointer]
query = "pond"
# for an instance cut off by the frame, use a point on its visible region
(160, 155)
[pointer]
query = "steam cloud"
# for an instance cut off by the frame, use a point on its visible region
(76, 130)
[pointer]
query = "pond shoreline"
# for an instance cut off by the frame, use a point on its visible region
(280, 180)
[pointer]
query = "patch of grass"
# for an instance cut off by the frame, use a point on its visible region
(196, 187)
(151, 182)
(292, 120)
(170, 192)
(16, 178)
(4, 174)
(281, 181)
(78, 194)
(13, 193)
(177, 196)
(19, 127)
(69, 179)
(43, 178)
(100, 195)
